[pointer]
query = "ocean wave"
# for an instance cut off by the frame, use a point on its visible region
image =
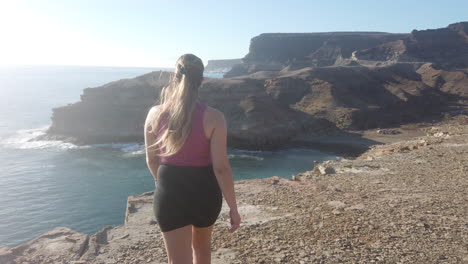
(26, 139)
(244, 156)
(129, 149)
(250, 151)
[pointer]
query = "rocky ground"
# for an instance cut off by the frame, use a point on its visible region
(401, 202)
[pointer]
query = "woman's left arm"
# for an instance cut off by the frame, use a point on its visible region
(152, 160)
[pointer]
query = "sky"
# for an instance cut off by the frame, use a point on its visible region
(155, 33)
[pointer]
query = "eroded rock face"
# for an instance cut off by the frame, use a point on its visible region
(445, 47)
(452, 82)
(268, 111)
(358, 80)
(275, 51)
(366, 97)
(255, 119)
(116, 112)
(321, 49)
(55, 246)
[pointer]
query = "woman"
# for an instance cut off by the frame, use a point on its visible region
(189, 164)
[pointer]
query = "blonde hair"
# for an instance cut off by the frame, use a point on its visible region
(178, 100)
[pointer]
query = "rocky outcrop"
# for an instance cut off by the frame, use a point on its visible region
(319, 49)
(271, 110)
(452, 82)
(221, 66)
(54, 246)
(277, 99)
(247, 68)
(256, 120)
(445, 47)
(367, 97)
(404, 201)
(275, 51)
(116, 112)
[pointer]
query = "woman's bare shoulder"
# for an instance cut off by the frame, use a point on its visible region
(152, 115)
(153, 108)
(152, 112)
(214, 119)
(213, 113)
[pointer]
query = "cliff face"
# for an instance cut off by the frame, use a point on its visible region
(446, 47)
(221, 65)
(283, 96)
(268, 111)
(255, 119)
(367, 97)
(116, 112)
(321, 49)
(274, 51)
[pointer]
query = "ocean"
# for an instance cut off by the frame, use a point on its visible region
(46, 184)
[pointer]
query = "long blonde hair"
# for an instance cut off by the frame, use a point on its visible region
(178, 99)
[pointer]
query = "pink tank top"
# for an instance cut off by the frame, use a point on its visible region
(196, 149)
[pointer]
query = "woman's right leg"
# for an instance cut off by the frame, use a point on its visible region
(178, 244)
(201, 244)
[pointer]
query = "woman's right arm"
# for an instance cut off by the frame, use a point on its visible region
(222, 168)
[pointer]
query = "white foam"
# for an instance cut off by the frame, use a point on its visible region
(251, 151)
(129, 149)
(26, 139)
(244, 156)
(125, 147)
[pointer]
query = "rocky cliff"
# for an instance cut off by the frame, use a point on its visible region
(357, 80)
(357, 97)
(115, 112)
(221, 65)
(268, 111)
(404, 201)
(445, 47)
(274, 51)
(322, 49)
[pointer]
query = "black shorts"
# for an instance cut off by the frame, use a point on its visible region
(186, 195)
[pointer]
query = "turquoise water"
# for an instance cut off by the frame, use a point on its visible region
(45, 184)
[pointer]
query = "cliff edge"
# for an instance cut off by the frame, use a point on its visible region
(446, 48)
(296, 85)
(272, 110)
(116, 112)
(404, 201)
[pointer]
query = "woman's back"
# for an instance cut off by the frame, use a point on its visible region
(196, 149)
(191, 183)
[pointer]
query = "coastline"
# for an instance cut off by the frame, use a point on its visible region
(349, 143)
(398, 201)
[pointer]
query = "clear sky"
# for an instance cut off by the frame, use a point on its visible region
(155, 33)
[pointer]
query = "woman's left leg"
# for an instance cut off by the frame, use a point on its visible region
(201, 244)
